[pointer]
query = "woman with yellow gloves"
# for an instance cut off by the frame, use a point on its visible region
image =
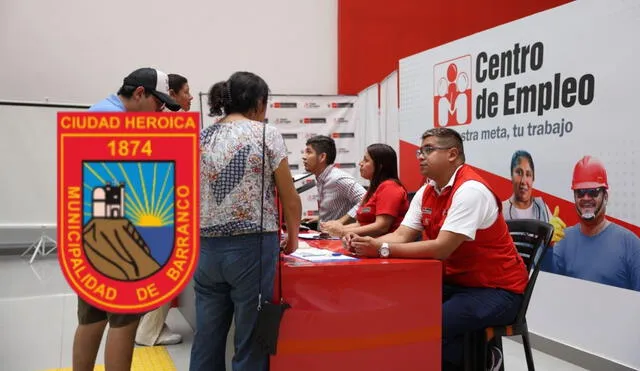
(521, 205)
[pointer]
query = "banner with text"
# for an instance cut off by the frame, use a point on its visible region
(300, 117)
(557, 90)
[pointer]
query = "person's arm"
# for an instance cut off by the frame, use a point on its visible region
(289, 198)
(346, 219)
(388, 202)
(410, 228)
(472, 207)
(634, 262)
(354, 192)
(440, 248)
(559, 266)
(379, 227)
(337, 228)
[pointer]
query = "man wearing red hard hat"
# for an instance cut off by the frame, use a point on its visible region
(596, 249)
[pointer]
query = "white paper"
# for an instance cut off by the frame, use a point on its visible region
(314, 254)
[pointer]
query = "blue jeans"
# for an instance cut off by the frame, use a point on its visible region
(469, 309)
(226, 286)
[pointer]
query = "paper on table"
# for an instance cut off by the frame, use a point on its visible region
(319, 255)
(303, 245)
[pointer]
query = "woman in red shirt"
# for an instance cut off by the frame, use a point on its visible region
(385, 203)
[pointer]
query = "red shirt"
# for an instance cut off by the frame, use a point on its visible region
(389, 199)
(491, 259)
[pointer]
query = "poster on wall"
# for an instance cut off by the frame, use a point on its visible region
(548, 119)
(300, 117)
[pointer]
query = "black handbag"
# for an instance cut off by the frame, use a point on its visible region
(270, 313)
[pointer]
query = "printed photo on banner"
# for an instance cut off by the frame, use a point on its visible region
(128, 206)
(594, 247)
(543, 123)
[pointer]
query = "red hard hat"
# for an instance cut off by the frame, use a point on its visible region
(589, 173)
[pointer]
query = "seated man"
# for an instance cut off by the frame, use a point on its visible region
(484, 276)
(339, 194)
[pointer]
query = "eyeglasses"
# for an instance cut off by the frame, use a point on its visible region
(592, 192)
(426, 150)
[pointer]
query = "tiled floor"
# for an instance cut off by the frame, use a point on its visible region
(38, 319)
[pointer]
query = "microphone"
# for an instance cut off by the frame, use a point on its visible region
(306, 187)
(299, 177)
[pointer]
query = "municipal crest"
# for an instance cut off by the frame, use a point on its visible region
(128, 206)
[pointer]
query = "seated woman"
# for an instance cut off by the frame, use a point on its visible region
(385, 203)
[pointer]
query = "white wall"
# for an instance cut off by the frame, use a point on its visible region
(73, 51)
(389, 111)
(595, 318)
(79, 51)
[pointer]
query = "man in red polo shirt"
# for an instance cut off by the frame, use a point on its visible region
(461, 216)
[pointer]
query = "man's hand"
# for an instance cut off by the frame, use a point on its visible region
(333, 227)
(365, 246)
(346, 240)
(558, 225)
(289, 246)
(310, 219)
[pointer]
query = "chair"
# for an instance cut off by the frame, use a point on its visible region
(532, 238)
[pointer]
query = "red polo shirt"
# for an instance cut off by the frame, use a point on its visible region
(389, 199)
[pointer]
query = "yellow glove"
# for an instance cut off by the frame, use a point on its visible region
(558, 225)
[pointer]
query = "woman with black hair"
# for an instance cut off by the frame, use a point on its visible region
(385, 203)
(243, 162)
(179, 91)
(522, 204)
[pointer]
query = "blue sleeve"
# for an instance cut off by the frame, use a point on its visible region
(634, 262)
(559, 266)
(548, 262)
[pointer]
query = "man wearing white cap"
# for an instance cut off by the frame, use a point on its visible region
(144, 90)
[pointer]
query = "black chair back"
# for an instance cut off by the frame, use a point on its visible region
(532, 239)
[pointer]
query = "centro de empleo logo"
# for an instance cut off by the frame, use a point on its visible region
(512, 84)
(452, 92)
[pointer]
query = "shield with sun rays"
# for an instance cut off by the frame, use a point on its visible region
(128, 206)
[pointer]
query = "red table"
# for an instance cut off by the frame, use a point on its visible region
(370, 314)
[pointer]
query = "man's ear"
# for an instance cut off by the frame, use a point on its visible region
(453, 154)
(322, 157)
(138, 93)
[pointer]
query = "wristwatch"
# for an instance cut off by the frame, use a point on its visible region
(383, 251)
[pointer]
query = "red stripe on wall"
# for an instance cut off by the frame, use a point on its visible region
(374, 34)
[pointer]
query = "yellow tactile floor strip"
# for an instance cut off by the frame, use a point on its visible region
(144, 359)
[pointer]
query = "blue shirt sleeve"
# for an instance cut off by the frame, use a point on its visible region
(559, 266)
(633, 261)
